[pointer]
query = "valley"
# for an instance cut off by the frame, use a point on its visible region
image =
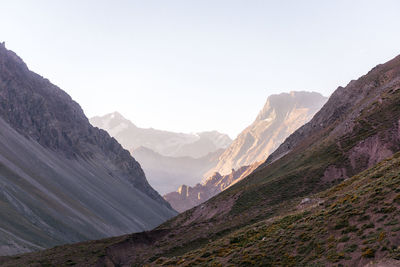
(327, 196)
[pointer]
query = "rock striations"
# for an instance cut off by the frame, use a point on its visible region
(61, 179)
(281, 115)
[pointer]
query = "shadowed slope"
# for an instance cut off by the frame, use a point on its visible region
(62, 180)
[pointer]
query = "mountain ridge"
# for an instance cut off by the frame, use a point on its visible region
(52, 160)
(281, 115)
(169, 159)
(166, 143)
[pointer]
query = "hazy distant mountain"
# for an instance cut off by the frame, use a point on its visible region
(281, 115)
(166, 143)
(166, 174)
(61, 179)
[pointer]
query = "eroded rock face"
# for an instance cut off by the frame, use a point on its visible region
(368, 152)
(281, 115)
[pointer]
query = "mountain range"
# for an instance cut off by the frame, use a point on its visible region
(168, 159)
(61, 179)
(327, 196)
(165, 143)
(281, 115)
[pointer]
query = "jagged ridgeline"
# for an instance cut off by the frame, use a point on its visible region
(61, 179)
(281, 115)
(327, 196)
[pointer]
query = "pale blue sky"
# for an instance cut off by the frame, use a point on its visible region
(197, 65)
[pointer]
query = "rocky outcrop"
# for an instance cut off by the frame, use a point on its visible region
(281, 115)
(61, 179)
(165, 143)
(187, 197)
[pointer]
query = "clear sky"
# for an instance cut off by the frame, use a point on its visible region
(197, 65)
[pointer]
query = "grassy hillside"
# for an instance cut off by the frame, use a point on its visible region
(349, 224)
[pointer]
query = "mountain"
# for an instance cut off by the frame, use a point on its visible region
(166, 174)
(166, 143)
(328, 196)
(281, 115)
(61, 179)
(187, 197)
(168, 159)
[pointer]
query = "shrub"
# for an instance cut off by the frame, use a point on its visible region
(368, 252)
(344, 238)
(341, 224)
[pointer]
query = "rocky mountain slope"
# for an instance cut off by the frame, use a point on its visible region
(166, 174)
(61, 179)
(281, 115)
(165, 143)
(314, 202)
(356, 223)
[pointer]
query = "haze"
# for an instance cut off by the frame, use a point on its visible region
(197, 65)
